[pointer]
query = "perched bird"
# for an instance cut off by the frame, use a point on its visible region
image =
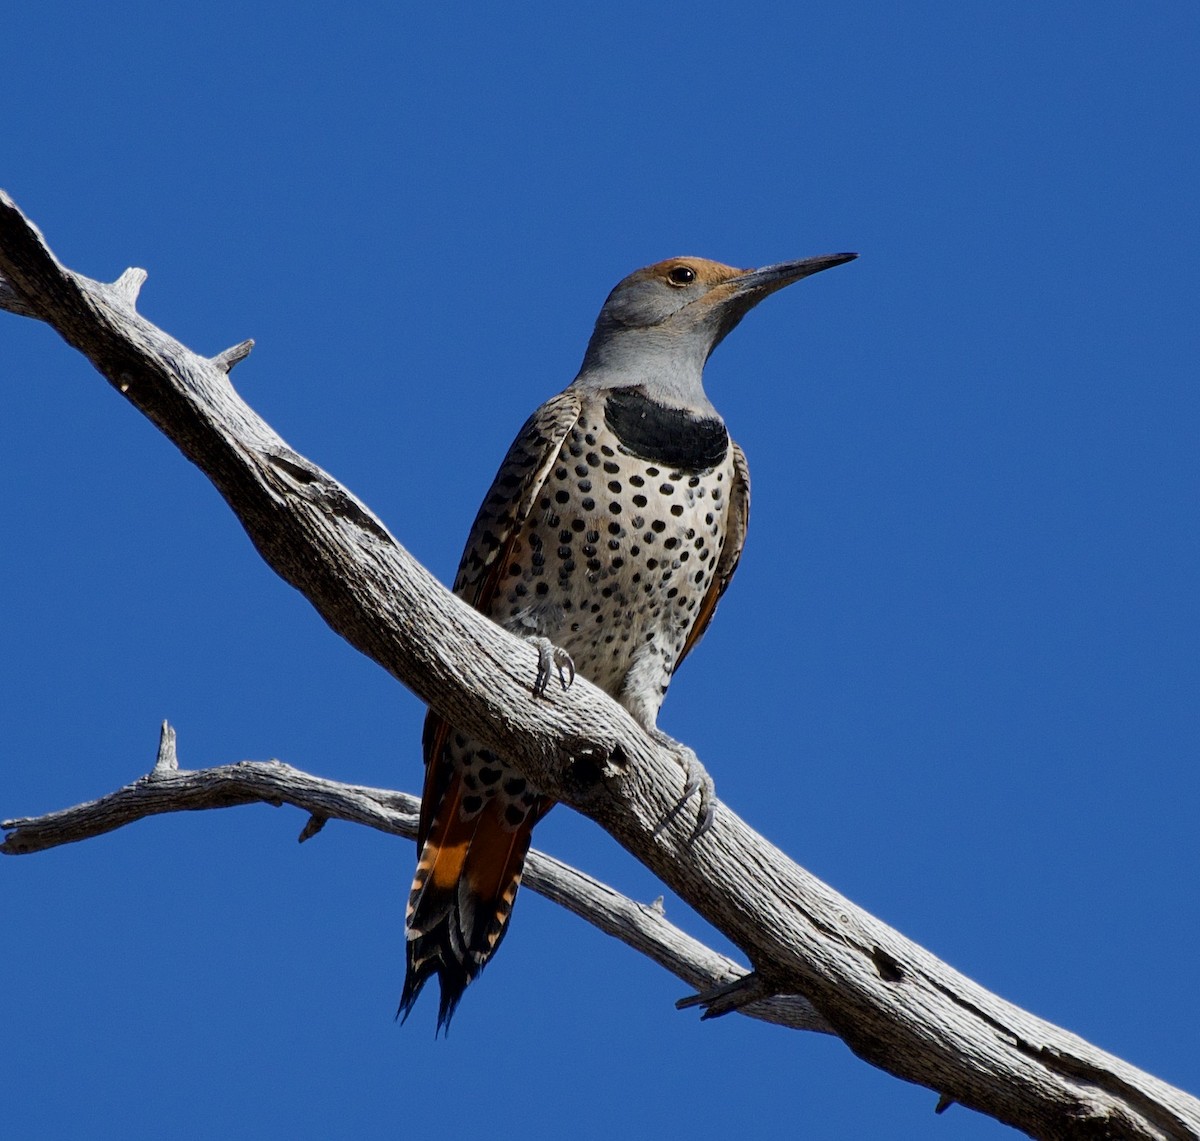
(613, 527)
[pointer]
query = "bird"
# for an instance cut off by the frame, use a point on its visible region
(610, 532)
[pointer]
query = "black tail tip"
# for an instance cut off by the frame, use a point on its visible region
(452, 984)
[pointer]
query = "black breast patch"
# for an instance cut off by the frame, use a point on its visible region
(668, 436)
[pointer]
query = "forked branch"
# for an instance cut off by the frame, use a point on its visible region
(892, 1002)
(168, 788)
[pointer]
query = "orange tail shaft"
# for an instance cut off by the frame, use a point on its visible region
(468, 872)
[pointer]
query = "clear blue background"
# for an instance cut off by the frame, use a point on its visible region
(956, 675)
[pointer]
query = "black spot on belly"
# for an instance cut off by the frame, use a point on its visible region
(669, 436)
(514, 816)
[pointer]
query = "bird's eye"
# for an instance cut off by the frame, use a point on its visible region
(681, 275)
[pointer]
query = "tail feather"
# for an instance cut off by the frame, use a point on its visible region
(462, 895)
(491, 876)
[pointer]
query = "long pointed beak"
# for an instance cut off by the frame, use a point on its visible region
(755, 284)
(720, 310)
(728, 303)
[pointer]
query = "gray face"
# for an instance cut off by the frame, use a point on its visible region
(658, 327)
(640, 302)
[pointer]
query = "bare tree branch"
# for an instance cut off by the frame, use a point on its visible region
(892, 1002)
(168, 788)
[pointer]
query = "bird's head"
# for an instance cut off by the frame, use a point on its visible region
(660, 324)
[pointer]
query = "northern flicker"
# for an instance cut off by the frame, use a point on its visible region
(611, 530)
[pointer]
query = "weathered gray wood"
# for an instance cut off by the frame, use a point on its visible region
(893, 1003)
(168, 788)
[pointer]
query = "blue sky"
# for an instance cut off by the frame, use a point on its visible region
(956, 675)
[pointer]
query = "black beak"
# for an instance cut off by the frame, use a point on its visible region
(759, 283)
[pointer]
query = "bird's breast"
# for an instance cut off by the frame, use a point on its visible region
(673, 437)
(620, 549)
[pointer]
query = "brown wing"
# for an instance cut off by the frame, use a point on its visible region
(731, 552)
(487, 553)
(511, 497)
(469, 864)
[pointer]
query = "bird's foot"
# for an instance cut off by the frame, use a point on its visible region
(696, 780)
(552, 659)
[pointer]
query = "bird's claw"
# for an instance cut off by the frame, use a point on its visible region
(552, 660)
(696, 780)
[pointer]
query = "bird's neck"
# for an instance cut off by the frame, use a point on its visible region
(668, 368)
